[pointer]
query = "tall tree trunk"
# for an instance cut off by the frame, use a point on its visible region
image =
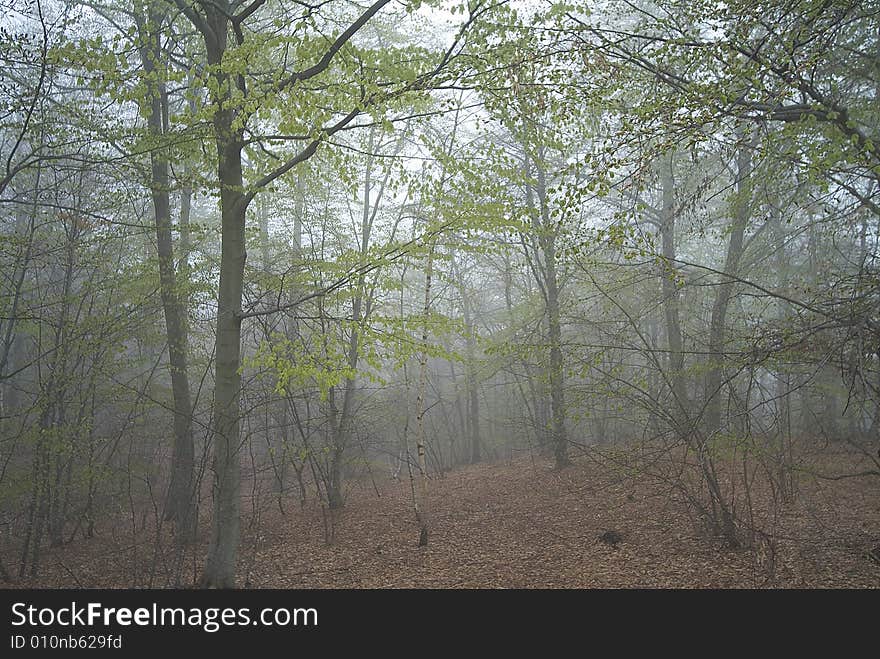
(784, 458)
(299, 210)
(547, 241)
(544, 270)
(369, 208)
(420, 404)
(215, 20)
(185, 231)
(473, 405)
(741, 208)
(669, 286)
(557, 377)
(473, 400)
(54, 391)
(220, 567)
(263, 222)
(179, 499)
(463, 423)
(360, 312)
(474, 412)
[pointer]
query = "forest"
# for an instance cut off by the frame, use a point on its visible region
(439, 294)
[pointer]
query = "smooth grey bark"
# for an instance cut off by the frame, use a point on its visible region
(179, 500)
(220, 567)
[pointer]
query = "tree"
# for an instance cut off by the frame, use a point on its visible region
(236, 96)
(179, 500)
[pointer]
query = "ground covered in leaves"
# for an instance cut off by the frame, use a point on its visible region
(519, 524)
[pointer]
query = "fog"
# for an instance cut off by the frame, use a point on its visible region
(275, 276)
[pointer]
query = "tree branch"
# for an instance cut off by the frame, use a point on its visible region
(334, 48)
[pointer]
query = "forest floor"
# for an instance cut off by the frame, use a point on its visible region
(520, 524)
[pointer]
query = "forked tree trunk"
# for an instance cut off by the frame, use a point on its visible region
(215, 20)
